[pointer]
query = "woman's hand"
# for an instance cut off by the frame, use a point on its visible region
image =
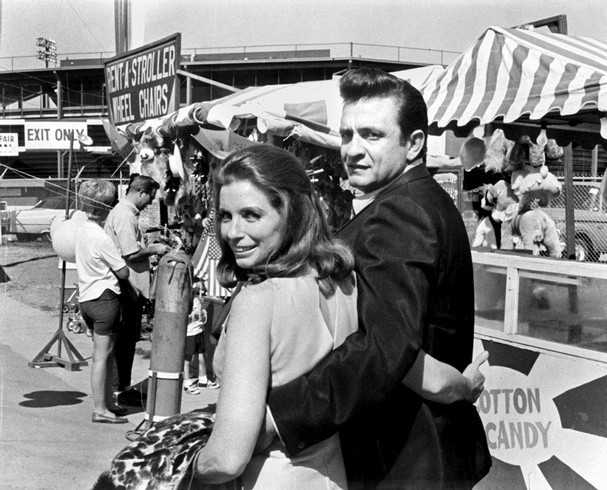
(474, 376)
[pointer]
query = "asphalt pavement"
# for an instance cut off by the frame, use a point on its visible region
(47, 439)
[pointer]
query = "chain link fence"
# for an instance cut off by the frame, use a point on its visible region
(589, 201)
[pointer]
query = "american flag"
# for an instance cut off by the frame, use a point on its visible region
(205, 259)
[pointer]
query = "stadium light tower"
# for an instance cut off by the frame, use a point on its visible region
(47, 50)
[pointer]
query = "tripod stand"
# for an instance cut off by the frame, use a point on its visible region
(74, 359)
(45, 359)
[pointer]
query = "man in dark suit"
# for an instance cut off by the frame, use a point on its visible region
(415, 281)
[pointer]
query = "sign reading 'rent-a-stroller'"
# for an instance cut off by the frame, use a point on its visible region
(142, 84)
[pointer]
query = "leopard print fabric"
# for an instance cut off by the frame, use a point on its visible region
(160, 458)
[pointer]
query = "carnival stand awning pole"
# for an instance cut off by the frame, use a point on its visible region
(74, 359)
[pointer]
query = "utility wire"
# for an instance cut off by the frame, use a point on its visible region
(85, 25)
(50, 185)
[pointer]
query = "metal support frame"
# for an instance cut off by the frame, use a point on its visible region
(208, 80)
(74, 359)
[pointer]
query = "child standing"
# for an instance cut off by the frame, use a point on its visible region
(194, 349)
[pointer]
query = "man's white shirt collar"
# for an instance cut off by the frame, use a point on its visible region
(361, 202)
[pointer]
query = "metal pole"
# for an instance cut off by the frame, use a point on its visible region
(69, 177)
(67, 214)
(173, 304)
(569, 215)
(74, 359)
(188, 90)
(59, 101)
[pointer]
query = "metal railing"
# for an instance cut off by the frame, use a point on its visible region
(408, 54)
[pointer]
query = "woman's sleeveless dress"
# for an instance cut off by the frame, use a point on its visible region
(300, 338)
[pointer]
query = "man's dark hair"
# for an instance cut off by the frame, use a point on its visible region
(370, 83)
(143, 183)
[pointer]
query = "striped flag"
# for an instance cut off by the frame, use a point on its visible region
(205, 260)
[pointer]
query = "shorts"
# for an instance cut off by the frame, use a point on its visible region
(102, 315)
(194, 344)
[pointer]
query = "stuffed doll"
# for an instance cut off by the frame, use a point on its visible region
(171, 163)
(152, 157)
(536, 229)
(529, 229)
(530, 179)
(503, 205)
(531, 184)
(484, 235)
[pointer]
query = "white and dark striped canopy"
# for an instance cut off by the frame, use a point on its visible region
(519, 75)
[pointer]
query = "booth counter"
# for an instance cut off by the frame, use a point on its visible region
(544, 408)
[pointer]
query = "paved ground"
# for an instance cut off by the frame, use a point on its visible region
(47, 440)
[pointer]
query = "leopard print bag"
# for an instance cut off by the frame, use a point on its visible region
(160, 459)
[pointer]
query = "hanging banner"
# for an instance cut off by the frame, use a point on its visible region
(142, 84)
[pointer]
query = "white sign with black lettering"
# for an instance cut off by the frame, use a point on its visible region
(9, 146)
(55, 135)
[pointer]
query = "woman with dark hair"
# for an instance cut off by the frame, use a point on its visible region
(297, 302)
(304, 236)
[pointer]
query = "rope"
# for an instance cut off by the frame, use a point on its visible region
(61, 190)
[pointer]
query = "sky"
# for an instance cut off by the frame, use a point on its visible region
(83, 26)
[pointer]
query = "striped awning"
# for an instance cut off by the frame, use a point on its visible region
(514, 75)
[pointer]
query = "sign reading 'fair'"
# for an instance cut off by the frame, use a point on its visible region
(9, 146)
(142, 83)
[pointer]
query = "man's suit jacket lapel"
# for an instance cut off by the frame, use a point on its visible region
(417, 172)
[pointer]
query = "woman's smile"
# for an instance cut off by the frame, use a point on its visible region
(248, 223)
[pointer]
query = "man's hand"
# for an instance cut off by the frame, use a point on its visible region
(159, 248)
(475, 377)
(267, 433)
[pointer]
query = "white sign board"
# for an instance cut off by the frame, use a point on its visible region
(544, 417)
(9, 146)
(53, 135)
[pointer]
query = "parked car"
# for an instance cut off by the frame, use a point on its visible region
(31, 224)
(4, 218)
(590, 220)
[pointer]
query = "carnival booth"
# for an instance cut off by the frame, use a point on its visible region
(543, 320)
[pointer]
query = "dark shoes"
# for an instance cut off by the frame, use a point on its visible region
(132, 397)
(99, 418)
(118, 410)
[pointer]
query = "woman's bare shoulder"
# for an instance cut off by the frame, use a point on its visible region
(255, 297)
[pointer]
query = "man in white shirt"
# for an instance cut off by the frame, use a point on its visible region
(123, 228)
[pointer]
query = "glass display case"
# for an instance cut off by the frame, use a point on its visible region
(541, 302)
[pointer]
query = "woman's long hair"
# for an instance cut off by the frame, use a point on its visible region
(306, 240)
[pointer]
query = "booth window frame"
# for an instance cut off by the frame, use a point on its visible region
(528, 266)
